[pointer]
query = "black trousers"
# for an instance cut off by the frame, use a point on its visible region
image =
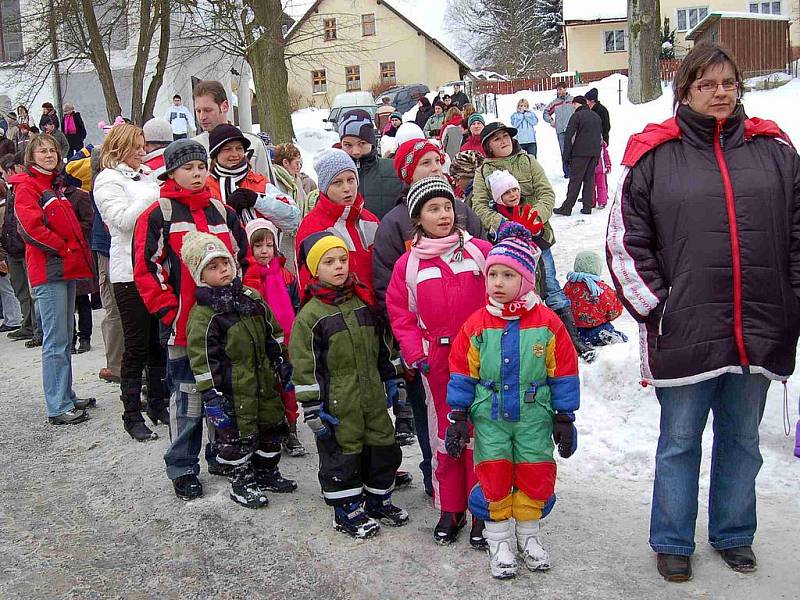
(83, 306)
(581, 174)
(346, 477)
(142, 346)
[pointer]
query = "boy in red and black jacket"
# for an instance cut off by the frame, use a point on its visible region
(168, 290)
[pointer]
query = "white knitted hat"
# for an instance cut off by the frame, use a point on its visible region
(199, 249)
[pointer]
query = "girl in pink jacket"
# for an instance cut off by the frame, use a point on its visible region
(435, 286)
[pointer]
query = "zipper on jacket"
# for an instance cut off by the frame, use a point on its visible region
(664, 311)
(738, 332)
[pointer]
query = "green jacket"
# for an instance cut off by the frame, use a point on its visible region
(234, 352)
(434, 125)
(534, 186)
(341, 358)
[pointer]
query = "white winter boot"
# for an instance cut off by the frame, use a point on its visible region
(534, 555)
(502, 557)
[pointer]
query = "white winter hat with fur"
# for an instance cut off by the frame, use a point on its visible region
(199, 249)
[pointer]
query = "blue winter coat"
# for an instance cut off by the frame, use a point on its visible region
(525, 124)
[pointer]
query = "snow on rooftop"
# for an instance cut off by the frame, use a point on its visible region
(595, 10)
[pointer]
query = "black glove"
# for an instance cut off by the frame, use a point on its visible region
(564, 434)
(284, 371)
(241, 199)
(457, 435)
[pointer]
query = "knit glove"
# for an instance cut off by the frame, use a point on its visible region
(241, 198)
(219, 409)
(457, 435)
(319, 421)
(423, 366)
(564, 434)
(284, 371)
(396, 393)
(527, 218)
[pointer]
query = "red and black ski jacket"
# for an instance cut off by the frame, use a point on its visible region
(55, 247)
(164, 282)
(703, 247)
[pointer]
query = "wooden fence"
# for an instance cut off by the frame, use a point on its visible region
(537, 84)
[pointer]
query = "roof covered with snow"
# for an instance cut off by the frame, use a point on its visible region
(595, 10)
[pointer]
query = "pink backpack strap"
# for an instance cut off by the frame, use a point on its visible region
(412, 268)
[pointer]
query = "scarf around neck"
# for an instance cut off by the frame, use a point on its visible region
(338, 294)
(590, 280)
(428, 248)
(273, 288)
(349, 214)
(511, 311)
(229, 178)
(173, 191)
(227, 299)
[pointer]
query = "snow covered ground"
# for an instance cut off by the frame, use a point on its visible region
(87, 513)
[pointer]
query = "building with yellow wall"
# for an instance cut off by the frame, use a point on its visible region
(349, 45)
(596, 33)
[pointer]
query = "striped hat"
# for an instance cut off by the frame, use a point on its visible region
(427, 189)
(515, 249)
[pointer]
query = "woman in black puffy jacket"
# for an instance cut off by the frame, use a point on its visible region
(704, 249)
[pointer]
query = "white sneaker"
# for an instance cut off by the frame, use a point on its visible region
(534, 555)
(502, 556)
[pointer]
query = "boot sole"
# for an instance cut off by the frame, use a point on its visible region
(388, 522)
(538, 567)
(265, 488)
(370, 534)
(505, 575)
(73, 422)
(245, 505)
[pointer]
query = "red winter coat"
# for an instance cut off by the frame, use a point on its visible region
(473, 143)
(590, 311)
(55, 247)
(164, 283)
(354, 224)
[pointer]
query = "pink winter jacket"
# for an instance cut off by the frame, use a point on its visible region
(445, 299)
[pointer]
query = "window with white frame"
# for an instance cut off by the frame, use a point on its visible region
(766, 8)
(688, 18)
(319, 81)
(614, 40)
(10, 31)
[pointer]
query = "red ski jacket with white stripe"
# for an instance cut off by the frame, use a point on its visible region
(703, 246)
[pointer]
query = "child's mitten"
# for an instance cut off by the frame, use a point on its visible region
(240, 198)
(457, 435)
(316, 418)
(219, 408)
(395, 393)
(564, 434)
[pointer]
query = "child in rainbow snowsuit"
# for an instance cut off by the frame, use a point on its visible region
(514, 374)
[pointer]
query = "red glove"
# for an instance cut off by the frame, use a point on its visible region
(527, 218)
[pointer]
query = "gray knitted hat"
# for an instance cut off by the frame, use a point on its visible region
(357, 123)
(180, 152)
(427, 189)
(329, 163)
(588, 262)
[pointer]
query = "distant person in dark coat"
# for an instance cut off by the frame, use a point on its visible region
(424, 112)
(73, 128)
(582, 146)
(459, 97)
(49, 114)
(594, 103)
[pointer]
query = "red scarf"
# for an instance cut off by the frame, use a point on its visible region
(337, 211)
(335, 294)
(192, 199)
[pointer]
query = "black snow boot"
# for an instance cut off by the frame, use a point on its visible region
(292, 444)
(404, 425)
(351, 519)
(586, 352)
(381, 509)
(187, 487)
(271, 480)
(402, 479)
(132, 416)
(448, 527)
(476, 539)
(157, 396)
(244, 489)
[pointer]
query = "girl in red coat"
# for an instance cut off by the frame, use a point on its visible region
(594, 304)
(435, 286)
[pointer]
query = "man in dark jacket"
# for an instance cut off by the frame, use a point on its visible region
(582, 148)
(377, 180)
(594, 103)
(459, 97)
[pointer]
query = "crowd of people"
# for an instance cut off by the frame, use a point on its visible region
(238, 294)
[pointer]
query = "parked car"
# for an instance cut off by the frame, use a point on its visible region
(404, 97)
(348, 101)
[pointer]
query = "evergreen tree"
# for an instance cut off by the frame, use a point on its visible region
(549, 24)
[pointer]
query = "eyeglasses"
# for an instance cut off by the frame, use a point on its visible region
(46, 151)
(708, 87)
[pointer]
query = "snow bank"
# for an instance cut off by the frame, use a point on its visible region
(312, 136)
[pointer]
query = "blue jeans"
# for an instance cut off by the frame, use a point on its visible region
(564, 163)
(416, 397)
(554, 296)
(737, 402)
(56, 303)
(530, 148)
(185, 417)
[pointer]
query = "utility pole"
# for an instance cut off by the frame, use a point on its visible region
(51, 26)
